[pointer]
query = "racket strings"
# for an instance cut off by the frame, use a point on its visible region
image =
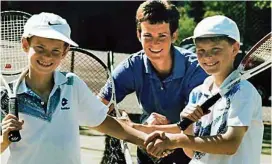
(260, 55)
(120, 151)
(87, 68)
(13, 59)
(113, 152)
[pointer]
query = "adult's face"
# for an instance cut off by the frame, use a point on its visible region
(156, 40)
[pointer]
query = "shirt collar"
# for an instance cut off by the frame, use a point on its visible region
(209, 81)
(59, 79)
(234, 75)
(178, 64)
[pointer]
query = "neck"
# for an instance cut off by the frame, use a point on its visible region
(41, 84)
(163, 67)
(219, 79)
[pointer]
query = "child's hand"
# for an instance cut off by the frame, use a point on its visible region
(125, 119)
(10, 123)
(158, 144)
(192, 112)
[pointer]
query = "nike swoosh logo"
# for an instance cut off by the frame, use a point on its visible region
(52, 24)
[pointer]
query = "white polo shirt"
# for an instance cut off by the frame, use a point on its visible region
(51, 136)
(241, 106)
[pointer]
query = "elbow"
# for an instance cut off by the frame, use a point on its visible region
(189, 152)
(230, 152)
(232, 149)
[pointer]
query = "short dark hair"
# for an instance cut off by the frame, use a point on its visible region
(216, 39)
(158, 11)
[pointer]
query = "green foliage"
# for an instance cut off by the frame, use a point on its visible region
(186, 24)
(263, 4)
(212, 13)
(231, 9)
(236, 10)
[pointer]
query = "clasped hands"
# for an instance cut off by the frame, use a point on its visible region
(160, 144)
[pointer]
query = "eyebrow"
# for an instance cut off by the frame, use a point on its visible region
(163, 33)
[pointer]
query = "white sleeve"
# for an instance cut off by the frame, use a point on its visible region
(92, 112)
(245, 106)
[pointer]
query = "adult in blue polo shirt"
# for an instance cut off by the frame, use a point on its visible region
(161, 75)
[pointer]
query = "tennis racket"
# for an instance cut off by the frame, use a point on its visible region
(255, 61)
(128, 158)
(95, 74)
(13, 60)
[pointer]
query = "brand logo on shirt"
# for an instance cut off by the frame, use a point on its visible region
(64, 102)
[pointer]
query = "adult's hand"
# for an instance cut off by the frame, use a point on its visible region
(157, 119)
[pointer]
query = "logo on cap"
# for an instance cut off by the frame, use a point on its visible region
(52, 24)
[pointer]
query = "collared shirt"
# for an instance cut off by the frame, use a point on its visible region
(240, 106)
(167, 97)
(50, 132)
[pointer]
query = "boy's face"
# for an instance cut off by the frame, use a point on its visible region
(156, 40)
(44, 54)
(216, 58)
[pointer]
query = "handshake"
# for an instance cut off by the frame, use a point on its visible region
(163, 138)
(158, 144)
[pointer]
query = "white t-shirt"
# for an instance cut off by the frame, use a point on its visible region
(241, 106)
(52, 137)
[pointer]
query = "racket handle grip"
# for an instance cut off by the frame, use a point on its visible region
(14, 136)
(184, 123)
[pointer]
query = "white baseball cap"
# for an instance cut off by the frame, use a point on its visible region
(48, 25)
(218, 25)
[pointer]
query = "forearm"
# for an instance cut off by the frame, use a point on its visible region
(117, 129)
(219, 144)
(4, 144)
(189, 131)
(171, 128)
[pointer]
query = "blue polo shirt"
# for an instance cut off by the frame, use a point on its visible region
(167, 97)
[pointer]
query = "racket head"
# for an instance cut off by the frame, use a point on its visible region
(87, 66)
(13, 59)
(260, 53)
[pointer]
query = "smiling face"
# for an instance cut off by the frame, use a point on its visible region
(156, 40)
(216, 57)
(44, 54)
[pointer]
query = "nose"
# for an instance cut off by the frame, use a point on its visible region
(208, 54)
(155, 41)
(47, 54)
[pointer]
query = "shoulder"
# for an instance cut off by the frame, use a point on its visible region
(245, 88)
(133, 63)
(68, 78)
(201, 89)
(198, 89)
(134, 59)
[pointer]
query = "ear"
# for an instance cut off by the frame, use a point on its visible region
(25, 45)
(139, 35)
(236, 48)
(175, 36)
(65, 52)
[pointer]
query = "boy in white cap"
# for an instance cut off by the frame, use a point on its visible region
(231, 133)
(52, 103)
